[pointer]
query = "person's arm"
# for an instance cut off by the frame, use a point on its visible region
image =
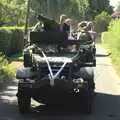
(43, 19)
(34, 28)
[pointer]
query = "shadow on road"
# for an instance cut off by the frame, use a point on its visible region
(8, 92)
(104, 105)
(107, 104)
(4, 86)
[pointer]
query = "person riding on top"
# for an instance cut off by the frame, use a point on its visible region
(63, 17)
(83, 31)
(67, 25)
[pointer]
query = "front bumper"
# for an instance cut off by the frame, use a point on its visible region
(48, 93)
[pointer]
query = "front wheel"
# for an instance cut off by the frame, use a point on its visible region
(24, 104)
(87, 108)
(24, 101)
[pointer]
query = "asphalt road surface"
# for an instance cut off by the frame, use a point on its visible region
(106, 102)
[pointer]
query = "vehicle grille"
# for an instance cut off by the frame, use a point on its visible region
(55, 68)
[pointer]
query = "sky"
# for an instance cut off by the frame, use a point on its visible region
(114, 2)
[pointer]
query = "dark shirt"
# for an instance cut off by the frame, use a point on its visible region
(66, 27)
(49, 24)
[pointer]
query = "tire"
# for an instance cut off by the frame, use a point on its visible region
(94, 63)
(24, 104)
(87, 73)
(24, 101)
(88, 103)
(89, 96)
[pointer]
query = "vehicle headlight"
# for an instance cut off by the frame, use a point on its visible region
(78, 81)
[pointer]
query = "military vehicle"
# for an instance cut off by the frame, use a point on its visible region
(55, 70)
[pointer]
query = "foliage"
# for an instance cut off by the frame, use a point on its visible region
(112, 40)
(11, 41)
(102, 21)
(12, 12)
(118, 7)
(53, 8)
(101, 5)
(6, 71)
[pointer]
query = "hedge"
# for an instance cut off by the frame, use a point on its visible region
(7, 72)
(11, 40)
(111, 40)
(102, 21)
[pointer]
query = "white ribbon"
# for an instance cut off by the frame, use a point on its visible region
(53, 77)
(59, 71)
(49, 67)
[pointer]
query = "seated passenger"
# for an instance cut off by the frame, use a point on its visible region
(68, 28)
(84, 35)
(72, 48)
(91, 30)
(62, 19)
(65, 23)
(68, 48)
(81, 25)
(49, 24)
(83, 31)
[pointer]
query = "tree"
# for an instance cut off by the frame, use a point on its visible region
(12, 12)
(118, 7)
(101, 5)
(102, 21)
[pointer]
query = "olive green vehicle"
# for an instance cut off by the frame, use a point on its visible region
(55, 71)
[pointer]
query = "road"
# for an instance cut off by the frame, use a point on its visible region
(106, 103)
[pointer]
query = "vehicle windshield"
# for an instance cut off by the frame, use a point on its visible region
(85, 42)
(59, 50)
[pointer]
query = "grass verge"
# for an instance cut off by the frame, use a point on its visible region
(114, 58)
(111, 41)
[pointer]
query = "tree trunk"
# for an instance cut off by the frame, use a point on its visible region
(49, 8)
(27, 16)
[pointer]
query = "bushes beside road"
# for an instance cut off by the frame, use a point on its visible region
(102, 21)
(111, 39)
(11, 40)
(7, 72)
(11, 43)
